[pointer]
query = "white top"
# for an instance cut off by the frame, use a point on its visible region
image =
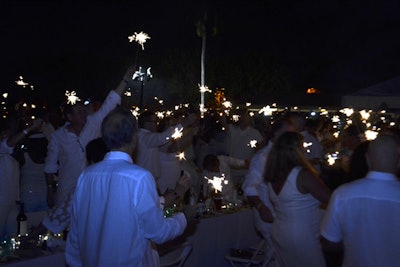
(364, 214)
(239, 141)
(295, 230)
(66, 151)
(147, 151)
(115, 215)
(254, 184)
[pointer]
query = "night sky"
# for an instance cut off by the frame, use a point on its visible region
(334, 46)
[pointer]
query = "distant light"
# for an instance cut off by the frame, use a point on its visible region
(312, 91)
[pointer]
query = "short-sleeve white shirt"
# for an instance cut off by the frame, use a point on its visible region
(365, 215)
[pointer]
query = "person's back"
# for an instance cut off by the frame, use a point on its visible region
(115, 211)
(364, 214)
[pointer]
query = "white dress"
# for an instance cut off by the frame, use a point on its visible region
(295, 230)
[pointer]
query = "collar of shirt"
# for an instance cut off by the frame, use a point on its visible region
(381, 176)
(112, 155)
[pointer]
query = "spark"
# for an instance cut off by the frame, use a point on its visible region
(128, 93)
(177, 133)
(71, 97)
(5, 95)
(181, 156)
(235, 118)
(248, 104)
(21, 82)
(253, 143)
(160, 114)
(135, 112)
(306, 145)
(140, 38)
(365, 114)
(217, 182)
(204, 89)
(347, 111)
(227, 104)
(331, 158)
(370, 135)
(267, 110)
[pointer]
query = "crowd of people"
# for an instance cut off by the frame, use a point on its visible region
(106, 177)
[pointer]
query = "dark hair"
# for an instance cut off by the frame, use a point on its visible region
(144, 117)
(118, 128)
(279, 125)
(68, 109)
(285, 154)
(209, 161)
(96, 150)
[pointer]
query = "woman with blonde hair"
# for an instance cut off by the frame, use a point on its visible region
(296, 192)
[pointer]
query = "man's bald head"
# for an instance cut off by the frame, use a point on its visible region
(383, 154)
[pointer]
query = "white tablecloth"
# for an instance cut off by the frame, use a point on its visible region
(212, 238)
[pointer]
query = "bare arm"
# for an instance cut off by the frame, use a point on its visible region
(13, 140)
(263, 210)
(308, 183)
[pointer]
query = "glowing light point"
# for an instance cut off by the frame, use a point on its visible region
(140, 38)
(217, 182)
(267, 110)
(181, 156)
(71, 97)
(177, 133)
(253, 143)
(5, 95)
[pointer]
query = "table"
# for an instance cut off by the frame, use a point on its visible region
(212, 238)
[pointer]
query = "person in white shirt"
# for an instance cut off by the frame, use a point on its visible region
(220, 166)
(254, 187)
(314, 149)
(66, 149)
(363, 216)
(115, 211)
(149, 140)
(239, 142)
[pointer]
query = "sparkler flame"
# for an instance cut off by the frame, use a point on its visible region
(267, 110)
(217, 182)
(21, 82)
(140, 38)
(177, 133)
(253, 143)
(71, 97)
(181, 156)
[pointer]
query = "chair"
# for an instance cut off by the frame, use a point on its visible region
(259, 255)
(176, 257)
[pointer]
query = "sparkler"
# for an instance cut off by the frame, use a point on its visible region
(71, 97)
(253, 143)
(227, 104)
(203, 89)
(21, 82)
(181, 156)
(217, 182)
(267, 110)
(140, 38)
(370, 135)
(306, 145)
(5, 95)
(177, 133)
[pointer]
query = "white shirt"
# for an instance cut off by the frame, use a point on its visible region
(365, 215)
(254, 184)
(115, 215)
(66, 151)
(239, 141)
(147, 153)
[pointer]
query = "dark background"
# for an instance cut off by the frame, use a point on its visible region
(256, 50)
